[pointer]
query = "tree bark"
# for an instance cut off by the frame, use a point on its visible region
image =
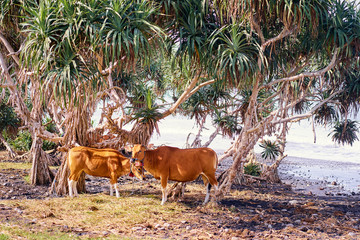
(270, 173)
(212, 137)
(40, 173)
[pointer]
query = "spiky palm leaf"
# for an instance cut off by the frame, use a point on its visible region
(129, 33)
(229, 124)
(146, 119)
(205, 100)
(43, 30)
(288, 11)
(340, 32)
(271, 149)
(71, 77)
(193, 27)
(234, 55)
(326, 114)
(350, 97)
(345, 132)
(149, 113)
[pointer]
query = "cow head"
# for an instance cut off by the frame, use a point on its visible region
(137, 160)
(136, 170)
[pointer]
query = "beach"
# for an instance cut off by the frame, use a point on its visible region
(321, 177)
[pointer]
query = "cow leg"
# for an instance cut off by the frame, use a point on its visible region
(213, 182)
(70, 182)
(206, 183)
(116, 186)
(163, 189)
(164, 195)
(183, 190)
(111, 190)
(207, 194)
(113, 184)
(73, 185)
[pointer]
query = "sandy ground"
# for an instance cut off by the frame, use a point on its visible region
(315, 176)
(321, 177)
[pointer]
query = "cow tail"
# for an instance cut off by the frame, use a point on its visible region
(216, 165)
(216, 161)
(209, 187)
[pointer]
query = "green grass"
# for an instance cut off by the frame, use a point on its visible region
(18, 232)
(4, 236)
(15, 165)
(27, 179)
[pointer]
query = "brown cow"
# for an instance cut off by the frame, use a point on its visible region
(107, 162)
(181, 165)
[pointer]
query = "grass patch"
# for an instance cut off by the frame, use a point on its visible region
(100, 216)
(27, 179)
(15, 165)
(4, 236)
(20, 232)
(89, 215)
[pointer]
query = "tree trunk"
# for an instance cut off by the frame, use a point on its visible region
(244, 143)
(40, 173)
(11, 152)
(197, 141)
(270, 173)
(59, 186)
(176, 191)
(212, 137)
(76, 133)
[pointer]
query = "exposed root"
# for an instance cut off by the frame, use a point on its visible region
(176, 191)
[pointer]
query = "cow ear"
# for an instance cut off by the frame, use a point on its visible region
(126, 153)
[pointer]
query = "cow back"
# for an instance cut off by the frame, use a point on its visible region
(180, 164)
(98, 162)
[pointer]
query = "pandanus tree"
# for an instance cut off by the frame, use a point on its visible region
(69, 51)
(345, 132)
(296, 47)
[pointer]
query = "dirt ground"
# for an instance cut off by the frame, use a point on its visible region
(257, 211)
